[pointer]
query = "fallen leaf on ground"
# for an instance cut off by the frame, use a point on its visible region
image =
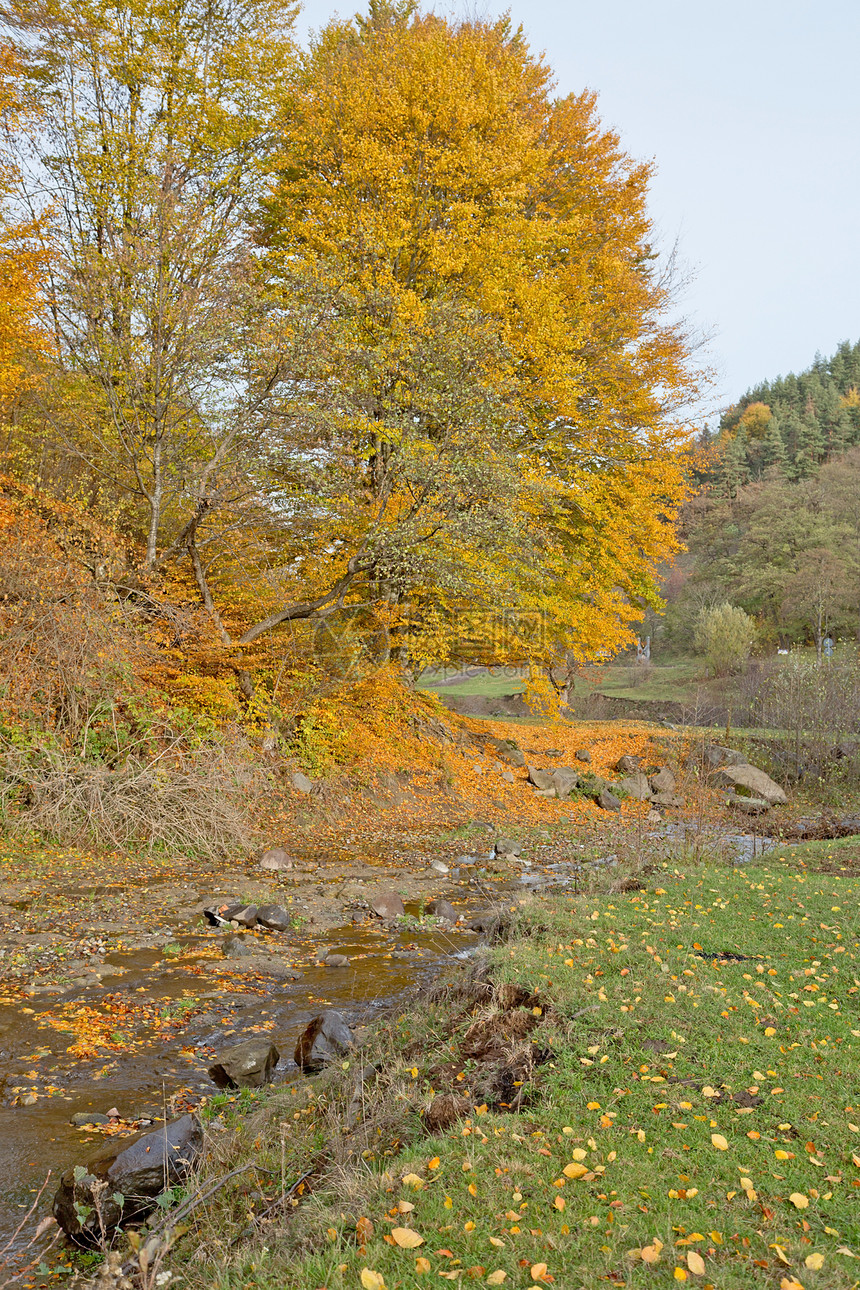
(406, 1238)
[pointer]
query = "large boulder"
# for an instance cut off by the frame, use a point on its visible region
(275, 917)
(441, 908)
(757, 783)
(608, 801)
(565, 780)
(540, 778)
(247, 1065)
(636, 785)
(275, 859)
(120, 1184)
(325, 1039)
(663, 781)
(627, 764)
(388, 905)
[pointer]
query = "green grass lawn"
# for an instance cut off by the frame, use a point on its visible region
(689, 1116)
(490, 684)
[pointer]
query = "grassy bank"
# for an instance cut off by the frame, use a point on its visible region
(657, 1085)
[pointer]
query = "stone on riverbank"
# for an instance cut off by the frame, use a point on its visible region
(275, 917)
(247, 1065)
(663, 781)
(275, 859)
(636, 785)
(388, 905)
(138, 1174)
(757, 781)
(324, 1040)
(442, 909)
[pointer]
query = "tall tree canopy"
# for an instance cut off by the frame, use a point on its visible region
(426, 168)
(377, 327)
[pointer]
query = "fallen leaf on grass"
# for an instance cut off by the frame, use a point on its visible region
(789, 1283)
(422, 1265)
(574, 1170)
(696, 1263)
(413, 1180)
(781, 1255)
(814, 1261)
(372, 1280)
(651, 1253)
(798, 1200)
(843, 1249)
(406, 1238)
(719, 1142)
(496, 1278)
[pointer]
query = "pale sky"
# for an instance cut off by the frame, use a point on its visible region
(751, 111)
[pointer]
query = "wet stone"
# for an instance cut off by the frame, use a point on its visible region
(442, 909)
(81, 1118)
(138, 1173)
(247, 1065)
(325, 1039)
(234, 947)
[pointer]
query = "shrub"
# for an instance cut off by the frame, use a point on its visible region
(725, 635)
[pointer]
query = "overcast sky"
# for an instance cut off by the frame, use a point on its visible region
(751, 111)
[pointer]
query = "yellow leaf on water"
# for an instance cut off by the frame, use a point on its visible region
(372, 1280)
(496, 1278)
(719, 1142)
(422, 1265)
(696, 1263)
(798, 1200)
(814, 1261)
(406, 1238)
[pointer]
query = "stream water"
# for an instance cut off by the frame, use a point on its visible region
(139, 1033)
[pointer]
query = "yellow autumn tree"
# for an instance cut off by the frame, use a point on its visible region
(21, 261)
(494, 448)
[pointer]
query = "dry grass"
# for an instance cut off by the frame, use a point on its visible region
(194, 803)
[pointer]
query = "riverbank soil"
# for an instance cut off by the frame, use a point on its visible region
(116, 994)
(638, 1088)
